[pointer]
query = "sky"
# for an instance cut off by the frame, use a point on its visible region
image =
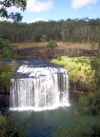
(58, 9)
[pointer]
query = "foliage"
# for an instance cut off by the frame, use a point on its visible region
(52, 43)
(73, 54)
(81, 129)
(43, 38)
(6, 50)
(6, 73)
(87, 71)
(73, 30)
(3, 124)
(13, 129)
(59, 58)
(3, 43)
(10, 128)
(16, 17)
(95, 65)
(77, 67)
(5, 4)
(92, 100)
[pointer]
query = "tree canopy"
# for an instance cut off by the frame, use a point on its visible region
(5, 4)
(70, 30)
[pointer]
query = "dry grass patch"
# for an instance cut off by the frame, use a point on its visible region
(61, 45)
(28, 45)
(87, 46)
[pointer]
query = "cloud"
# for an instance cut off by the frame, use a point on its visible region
(35, 20)
(4, 19)
(12, 9)
(39, 5)
(34, 6)
(80, 3)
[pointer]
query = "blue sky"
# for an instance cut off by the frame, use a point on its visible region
(59, 9)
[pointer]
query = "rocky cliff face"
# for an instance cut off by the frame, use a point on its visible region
(49, 53)
(4, 97)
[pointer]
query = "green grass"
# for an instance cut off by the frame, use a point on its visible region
(78, 67)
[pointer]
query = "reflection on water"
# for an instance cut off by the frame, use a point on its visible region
(44, 123)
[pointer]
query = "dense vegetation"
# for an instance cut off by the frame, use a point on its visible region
(77, 67)
(8, 128)
(90, 101)
(70, 30)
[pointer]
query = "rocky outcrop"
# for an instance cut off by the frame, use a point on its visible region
(4, 97)
(49, 53)
(77, 86)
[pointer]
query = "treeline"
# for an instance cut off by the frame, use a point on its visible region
(70, 30)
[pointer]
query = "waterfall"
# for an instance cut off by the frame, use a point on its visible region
(39, 88)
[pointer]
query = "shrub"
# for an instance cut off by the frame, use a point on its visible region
(6, 73)
(80, 129)
(3, 124)
(59, 58)
(73, 54)
(52, 43)
(5, 49)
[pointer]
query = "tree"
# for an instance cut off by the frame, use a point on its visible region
(16, 17)
(43, 38)
(5, 4)
(5, 49)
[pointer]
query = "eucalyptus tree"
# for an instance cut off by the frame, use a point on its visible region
(76, 30)
(6, 4)
(67, 31)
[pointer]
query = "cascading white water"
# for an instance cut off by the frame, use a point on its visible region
(39, 88)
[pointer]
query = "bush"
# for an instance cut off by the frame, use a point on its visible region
(5, 49)
(52, 43)
(6, 73)
(3, 124)
(59, 58)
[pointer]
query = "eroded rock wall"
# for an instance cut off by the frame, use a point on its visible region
(49, 53)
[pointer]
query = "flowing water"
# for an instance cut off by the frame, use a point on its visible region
(39, 85)
(39, 97)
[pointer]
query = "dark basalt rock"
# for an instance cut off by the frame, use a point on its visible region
(49, 53)
(73, 94)
(4, 97)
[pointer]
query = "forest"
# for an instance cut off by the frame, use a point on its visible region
(69, 30)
